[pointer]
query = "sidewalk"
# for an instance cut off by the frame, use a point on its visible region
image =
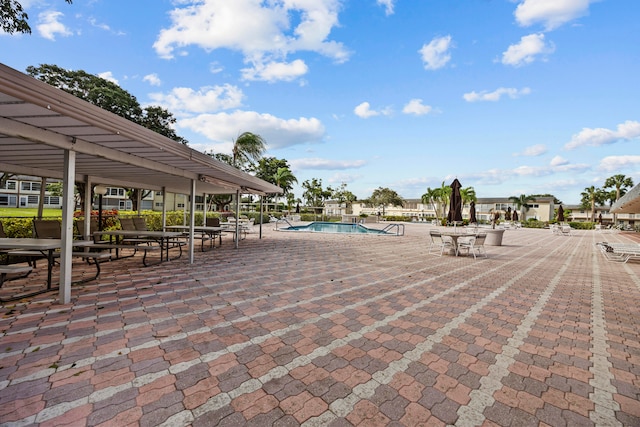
(319, 329)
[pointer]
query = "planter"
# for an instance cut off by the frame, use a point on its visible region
(494, 237)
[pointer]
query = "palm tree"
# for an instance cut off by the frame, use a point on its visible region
(522, 203)
(468, 195)
(592, 196)
(444, 194)
(247, 148)
(284, 179)
(620, 183)
(430, 197)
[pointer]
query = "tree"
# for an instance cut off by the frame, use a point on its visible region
(620, 183)
(221, 157)
(267, 167)
(314, 195)
(342, 195)
(444, 195)
(431, 197)
(522, 203)
(284, 179)
(13, 18)
(160, 121)
(247, 149)
(4, 177)
(383, 197)
(591, 196)
(132, 194)
(468, 195)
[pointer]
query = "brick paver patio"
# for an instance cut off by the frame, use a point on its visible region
(339, 330)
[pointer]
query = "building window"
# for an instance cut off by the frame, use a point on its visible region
(51, 200)
(30, 186)
(10, 185)
(115, 192)
(158, 204)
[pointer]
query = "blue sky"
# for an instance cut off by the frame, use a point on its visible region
(510, 96)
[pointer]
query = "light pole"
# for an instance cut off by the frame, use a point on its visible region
(100, 190)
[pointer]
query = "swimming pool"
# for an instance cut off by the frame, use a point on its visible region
(338, 227)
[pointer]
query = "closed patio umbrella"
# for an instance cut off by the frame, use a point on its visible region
(507, 215)
(560, 214)
(515, 215)
(455, 203)
(472, 213)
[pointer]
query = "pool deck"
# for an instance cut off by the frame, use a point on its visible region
(335, 330)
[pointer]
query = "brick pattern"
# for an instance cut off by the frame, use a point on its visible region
(312, 329)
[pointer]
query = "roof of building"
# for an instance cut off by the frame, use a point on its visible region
(629, 203)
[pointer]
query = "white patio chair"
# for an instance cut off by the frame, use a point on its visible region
(441, 242)
(472, 245)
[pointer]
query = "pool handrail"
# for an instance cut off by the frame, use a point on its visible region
(283, 220)
(399, 229)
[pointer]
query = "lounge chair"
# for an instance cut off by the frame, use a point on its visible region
(620, 252)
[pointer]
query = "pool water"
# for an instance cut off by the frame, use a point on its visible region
(334, 227)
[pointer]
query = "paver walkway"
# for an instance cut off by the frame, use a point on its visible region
(337, 330)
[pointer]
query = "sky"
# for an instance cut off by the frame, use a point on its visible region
(509, 96)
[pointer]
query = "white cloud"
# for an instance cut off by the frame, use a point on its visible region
(616, 163)
(209, 99)
(558, 161)
(265, 32)
(496, 94)
(325, 164)
(415, 106)
(533, 151)
(276, 71)
(49, 25)
(557, 166)
(152, 79)
(388, 6)
(550, 13)
(222, 128)
(215, 68)
(364, 111)
(339, 177)
(108, 75)
(626, 131)
(436, 54)
(527, 50)
(94, 22)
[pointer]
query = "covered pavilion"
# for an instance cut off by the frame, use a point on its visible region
(47, 132)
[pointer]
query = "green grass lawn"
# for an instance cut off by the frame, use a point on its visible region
(28, 212)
